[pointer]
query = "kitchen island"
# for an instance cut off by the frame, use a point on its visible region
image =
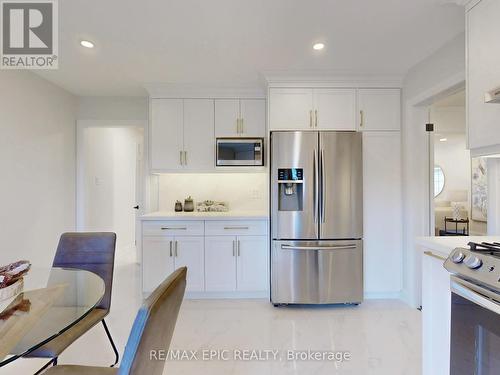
(436, 299)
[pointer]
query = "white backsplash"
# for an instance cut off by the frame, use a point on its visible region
(242, 191)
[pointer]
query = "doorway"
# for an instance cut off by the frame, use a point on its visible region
(452, 182)
(109, 182)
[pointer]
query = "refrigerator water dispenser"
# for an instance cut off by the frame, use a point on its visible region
(291, 192)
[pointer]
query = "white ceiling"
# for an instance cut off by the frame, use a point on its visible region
(230, 42)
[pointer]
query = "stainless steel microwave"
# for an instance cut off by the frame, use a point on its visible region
(239, 152)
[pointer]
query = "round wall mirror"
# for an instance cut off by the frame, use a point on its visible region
(438, 180)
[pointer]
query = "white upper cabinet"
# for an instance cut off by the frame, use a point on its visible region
(483, 75)
(290, 108)
(334, 109)
(166, 133)
(253, 117)
(240, 118)
(199, 144)
(379, 109)
(227, 117)
(182, 134)
(312, 109)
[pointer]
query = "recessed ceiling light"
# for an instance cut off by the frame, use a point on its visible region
(87, 44)
(318, 46)
(443, 139)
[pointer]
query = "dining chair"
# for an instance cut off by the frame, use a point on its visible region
(152, 331)
(94, 252)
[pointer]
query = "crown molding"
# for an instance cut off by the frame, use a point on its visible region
(187, 91)
(331, 79)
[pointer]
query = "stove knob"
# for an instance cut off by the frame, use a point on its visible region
(473, 262)
(458, 257)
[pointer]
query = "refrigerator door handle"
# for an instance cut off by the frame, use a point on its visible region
(339, 247)
(323, 186)
(316, 186)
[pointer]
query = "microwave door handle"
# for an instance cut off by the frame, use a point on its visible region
(475, 294)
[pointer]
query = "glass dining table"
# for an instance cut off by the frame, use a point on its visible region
(60, 298)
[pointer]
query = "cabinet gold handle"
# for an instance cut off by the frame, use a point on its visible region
(431, 254)
(180, 157)
(316, 118)
(238, 247)
(185, 157)
(170, 248)
(176, 248)
(311, 118)
(227, 228)
(361, 119)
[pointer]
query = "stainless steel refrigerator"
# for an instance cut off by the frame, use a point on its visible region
(316, 218)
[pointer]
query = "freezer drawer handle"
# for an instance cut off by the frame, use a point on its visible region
(242, 228)
(340, 247)
(174, 228)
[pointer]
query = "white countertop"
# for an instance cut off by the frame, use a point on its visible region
(445, 245)
(230, 215)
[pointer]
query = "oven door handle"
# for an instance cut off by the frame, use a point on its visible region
(476, 294)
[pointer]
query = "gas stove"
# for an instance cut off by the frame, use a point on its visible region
(479, 264)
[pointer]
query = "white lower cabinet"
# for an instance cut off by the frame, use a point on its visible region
(163, 255)
(252, 264)
(220, 264)
(157, 261)
(236, 263)
(436, 315)
(189, 252)
(222, 257)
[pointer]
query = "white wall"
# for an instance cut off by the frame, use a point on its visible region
(112, 108)
(37, 146)
(453, 157)
(431, 77)
(242, 191)
(109, 164)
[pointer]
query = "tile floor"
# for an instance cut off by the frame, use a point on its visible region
(380, 336)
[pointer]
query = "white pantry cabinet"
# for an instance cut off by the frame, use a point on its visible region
(382, 213)
(436, 315)
(379, 109)
(163, 255)
(312, 109)
(240, 118)
(483, 74)
(182, 134)
(224, 257)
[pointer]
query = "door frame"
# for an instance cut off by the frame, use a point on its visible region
(143, 195)
(418, 203)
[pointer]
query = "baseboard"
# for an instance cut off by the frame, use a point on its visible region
(227, 295)
(383, 295)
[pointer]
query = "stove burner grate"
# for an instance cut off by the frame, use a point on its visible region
(486, 247)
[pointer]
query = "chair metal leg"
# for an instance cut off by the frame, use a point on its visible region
(117, 356)
(52, 362)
